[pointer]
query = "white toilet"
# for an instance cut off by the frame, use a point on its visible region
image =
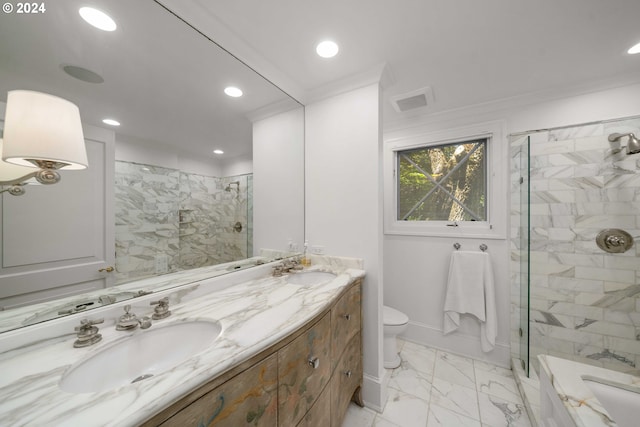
(395, 322)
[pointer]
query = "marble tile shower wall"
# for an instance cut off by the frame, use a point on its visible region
(167, 220)
(210, 213)
(584, 302)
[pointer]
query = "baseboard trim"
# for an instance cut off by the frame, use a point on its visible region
(458, 343)
(374, 392)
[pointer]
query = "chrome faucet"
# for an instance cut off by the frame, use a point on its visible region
(87, 333)
(129, 321)
(162, 309)
(287, 266)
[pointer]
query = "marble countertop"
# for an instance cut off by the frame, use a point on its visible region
(567, 378)
(254, 315)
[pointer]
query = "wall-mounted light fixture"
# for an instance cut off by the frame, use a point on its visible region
(40, 131)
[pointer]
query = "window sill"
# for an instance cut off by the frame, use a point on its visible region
(483, 231)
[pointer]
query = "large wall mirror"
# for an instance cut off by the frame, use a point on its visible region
(155, 201)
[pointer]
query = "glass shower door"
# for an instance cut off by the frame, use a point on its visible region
(524, 233)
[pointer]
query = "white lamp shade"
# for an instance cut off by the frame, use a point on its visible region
(10, 172)
(40, 126)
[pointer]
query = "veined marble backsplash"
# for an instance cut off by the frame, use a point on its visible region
(168, 220)
(585, 303)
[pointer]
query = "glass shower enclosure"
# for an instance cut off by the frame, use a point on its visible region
(570, 298)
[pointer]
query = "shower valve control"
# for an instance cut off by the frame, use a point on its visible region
(614, 240)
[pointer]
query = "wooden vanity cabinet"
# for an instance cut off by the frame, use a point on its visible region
(307, 379)
(346, 322)
(346, 354)
(320, 413)
(304, 369)
(250, 398)
(346, 381)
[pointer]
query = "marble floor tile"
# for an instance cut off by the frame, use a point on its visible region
(488, 367)
(410, 381)
(442, 417)
(497, 412)
(434, 388)
(381, 422)
(498, 385)
(358, 417)
(455, 369)
(404, 410)
(459, 399)
(419, 358)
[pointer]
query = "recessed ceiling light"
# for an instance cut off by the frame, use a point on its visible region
(218, 152)
(327, 49)
(635, 49)
(111, 122)
(97, 18)
(233, 91)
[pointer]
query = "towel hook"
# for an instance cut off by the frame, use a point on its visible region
(456, 245)
(483, 247)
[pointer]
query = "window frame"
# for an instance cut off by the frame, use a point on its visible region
(496, 194)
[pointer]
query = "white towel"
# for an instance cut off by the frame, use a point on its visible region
(471, 290)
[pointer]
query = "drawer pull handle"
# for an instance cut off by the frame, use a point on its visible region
(348, 374)
(314, 362)
(347, 316)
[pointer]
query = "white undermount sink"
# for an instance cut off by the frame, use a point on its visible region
(140, 356)
(309, 278)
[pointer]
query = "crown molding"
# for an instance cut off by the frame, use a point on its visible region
(380, 74)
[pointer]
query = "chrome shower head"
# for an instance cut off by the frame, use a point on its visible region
(633, 145)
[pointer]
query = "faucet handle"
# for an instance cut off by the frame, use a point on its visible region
(87, 324)
(162, 302)
(127, 321)
(162, 309)
(87, 333)
(277, 271)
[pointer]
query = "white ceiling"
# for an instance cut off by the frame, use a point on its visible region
(163, 80)
(467, 51)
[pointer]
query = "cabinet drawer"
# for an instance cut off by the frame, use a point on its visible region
(248, 399)
(320, 413)
(304, 368)
(345, 321)
(346, 379)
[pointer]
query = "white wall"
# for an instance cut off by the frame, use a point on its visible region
(239, 165)
(278, 181)
(415, 268)
(344, 204)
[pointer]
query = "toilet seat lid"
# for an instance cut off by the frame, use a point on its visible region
(391, 316)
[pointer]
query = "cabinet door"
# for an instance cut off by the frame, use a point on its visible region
(345, 321)
(55, 238)
(345, 380)
(304, 368)
(320, 413)
(248, 399)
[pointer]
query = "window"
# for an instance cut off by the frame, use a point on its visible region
(443, 182)
(450, 183)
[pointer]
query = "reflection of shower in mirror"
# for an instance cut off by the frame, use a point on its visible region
(236, 183)
(633, 145)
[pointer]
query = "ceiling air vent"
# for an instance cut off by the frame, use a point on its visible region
(418, 99)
